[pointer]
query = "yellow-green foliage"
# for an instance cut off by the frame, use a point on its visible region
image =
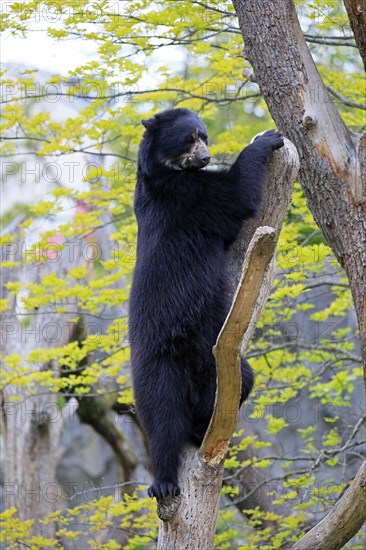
(126, 81)
(131, 513)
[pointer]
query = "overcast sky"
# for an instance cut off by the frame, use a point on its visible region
(39, 51)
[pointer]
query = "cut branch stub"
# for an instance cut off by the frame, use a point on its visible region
(282, 172)
(227, 350)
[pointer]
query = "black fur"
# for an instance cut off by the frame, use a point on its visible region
(186, 220)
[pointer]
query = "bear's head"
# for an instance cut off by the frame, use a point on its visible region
(175, 139)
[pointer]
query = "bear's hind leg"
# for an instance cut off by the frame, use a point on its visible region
(247, 379)
(202, 419)
(164, 414)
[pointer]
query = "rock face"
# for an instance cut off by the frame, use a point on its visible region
(86, 463)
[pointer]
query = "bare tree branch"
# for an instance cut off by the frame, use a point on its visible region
(342, 522)
(345, 100)
(331, 40)
(206, 466)
(227, 350)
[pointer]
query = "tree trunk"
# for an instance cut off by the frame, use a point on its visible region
(189, 521)
(332, 171)
(333, 161)
(32, 423)
(356, 10)
(32, 429)
(201, 474)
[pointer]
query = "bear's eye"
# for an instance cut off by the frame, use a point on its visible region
(190, 139)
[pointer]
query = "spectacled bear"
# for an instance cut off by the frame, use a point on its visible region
(187, 217)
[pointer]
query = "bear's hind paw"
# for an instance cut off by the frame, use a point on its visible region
(163, 489)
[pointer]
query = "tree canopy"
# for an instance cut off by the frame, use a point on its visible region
(68, 257)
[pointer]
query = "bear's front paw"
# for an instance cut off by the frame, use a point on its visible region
(272, 139)
(163, 489)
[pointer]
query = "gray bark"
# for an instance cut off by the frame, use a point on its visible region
(333, 160)
(356, 10)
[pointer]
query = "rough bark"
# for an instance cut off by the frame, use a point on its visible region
(356, 10)
(346, 518)
(333, 160)
(189, 520)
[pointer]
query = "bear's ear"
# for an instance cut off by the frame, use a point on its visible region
(149, 123)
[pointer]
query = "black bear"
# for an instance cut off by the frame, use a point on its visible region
(187, 217)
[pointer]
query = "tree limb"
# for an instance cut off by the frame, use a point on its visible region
(342, 522)
(331, 40)
(282, 172)
(200, 475)
(227, 350)
(345, 100)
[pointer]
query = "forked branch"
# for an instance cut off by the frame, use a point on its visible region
(227, 350)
